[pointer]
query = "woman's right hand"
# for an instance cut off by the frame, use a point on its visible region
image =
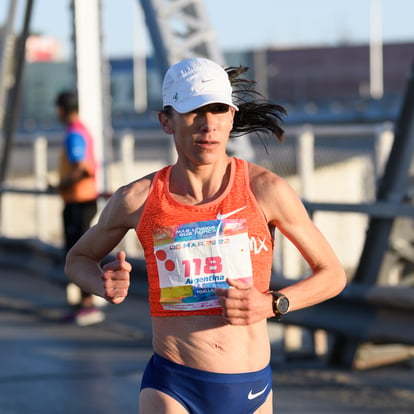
(116, 278)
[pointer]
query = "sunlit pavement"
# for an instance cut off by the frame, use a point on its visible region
(51, 367)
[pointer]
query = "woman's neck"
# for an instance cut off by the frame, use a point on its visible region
(201, 184)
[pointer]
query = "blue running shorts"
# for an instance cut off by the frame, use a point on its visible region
(203, 392)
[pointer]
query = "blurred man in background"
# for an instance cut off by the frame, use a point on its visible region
(78, 189)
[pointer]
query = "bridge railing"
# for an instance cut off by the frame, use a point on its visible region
(376, 313)
(28, 209)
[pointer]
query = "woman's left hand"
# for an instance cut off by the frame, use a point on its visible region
(243, 304)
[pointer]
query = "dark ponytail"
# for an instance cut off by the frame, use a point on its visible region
(255, 113)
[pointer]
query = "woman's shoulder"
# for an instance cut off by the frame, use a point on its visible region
(124, 206)
(262, 176)
(268, 187)
(137, 190)
(130, 197)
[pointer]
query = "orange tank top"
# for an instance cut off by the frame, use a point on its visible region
(190, 250)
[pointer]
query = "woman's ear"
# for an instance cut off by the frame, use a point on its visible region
(165, 123)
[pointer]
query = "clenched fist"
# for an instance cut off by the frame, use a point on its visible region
(116, 278)
(243, 304)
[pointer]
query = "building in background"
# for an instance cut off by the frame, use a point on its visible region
(42, 82)
(332, 84)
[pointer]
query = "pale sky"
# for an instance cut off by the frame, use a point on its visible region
(239, 24)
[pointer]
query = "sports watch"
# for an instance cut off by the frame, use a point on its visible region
(280, 304)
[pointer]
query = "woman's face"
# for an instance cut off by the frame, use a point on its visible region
(201, 135)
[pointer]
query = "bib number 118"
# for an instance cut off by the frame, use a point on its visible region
(210, 266)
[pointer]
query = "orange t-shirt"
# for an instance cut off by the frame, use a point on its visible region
(85, 189)
(190, 250)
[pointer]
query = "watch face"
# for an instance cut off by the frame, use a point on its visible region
(283, 304)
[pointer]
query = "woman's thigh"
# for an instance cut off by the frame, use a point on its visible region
(267, 407)
(153, 401)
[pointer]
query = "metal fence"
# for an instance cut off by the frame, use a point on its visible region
(336, 164)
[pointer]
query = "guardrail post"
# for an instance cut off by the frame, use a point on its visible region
(299, 338)
(127, 155)
(305, 160)
(40, 167)
(384, 138)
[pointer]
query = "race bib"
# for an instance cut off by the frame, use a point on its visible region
(195, 258)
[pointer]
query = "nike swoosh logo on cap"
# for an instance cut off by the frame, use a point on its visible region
(224, 216)
(252, 396)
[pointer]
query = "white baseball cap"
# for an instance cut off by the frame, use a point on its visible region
(196, 82)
